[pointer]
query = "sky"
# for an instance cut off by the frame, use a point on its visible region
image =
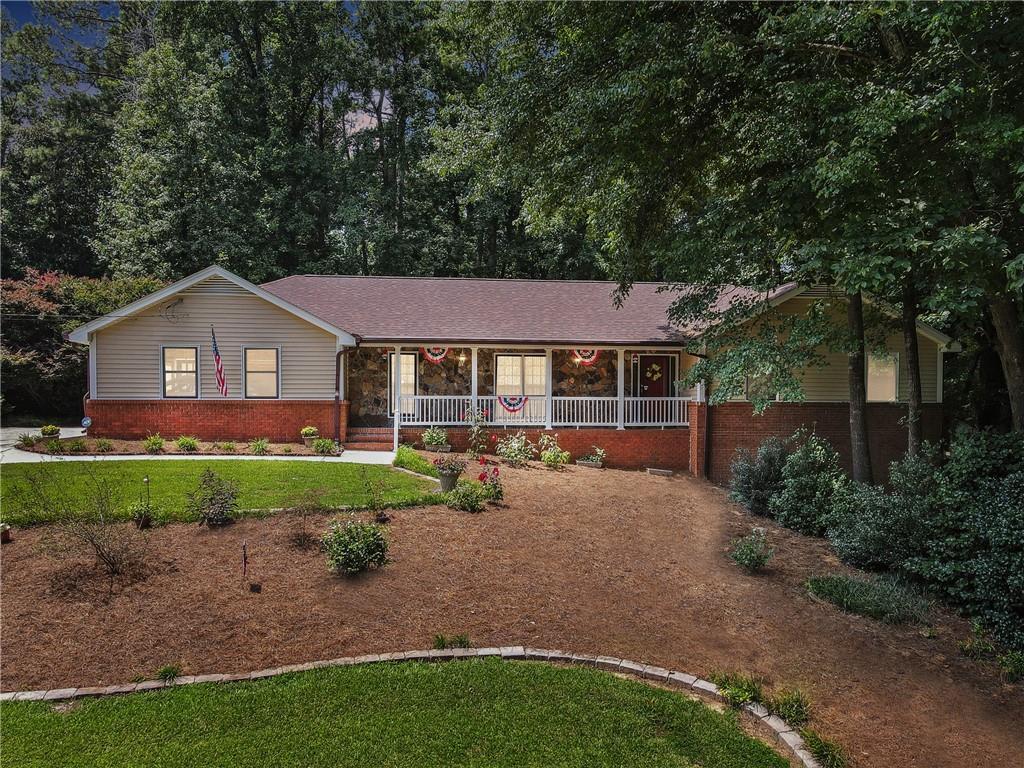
(20, 11)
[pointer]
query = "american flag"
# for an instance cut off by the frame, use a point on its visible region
(222, 383)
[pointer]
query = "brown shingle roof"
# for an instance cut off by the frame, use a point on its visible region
(433, 309)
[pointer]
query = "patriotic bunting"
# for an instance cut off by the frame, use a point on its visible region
(512, 404)
(586, 356)
(434, 354)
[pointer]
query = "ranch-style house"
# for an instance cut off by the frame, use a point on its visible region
(373, 361)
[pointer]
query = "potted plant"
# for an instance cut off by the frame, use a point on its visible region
(436, 439)
(5, 533)
(449, 468)
(594, 459)
(309, 434)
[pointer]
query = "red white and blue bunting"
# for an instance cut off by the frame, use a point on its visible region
(435, 354)
(512, 404)
(586, 356)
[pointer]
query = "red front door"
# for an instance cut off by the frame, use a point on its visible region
(654, 375)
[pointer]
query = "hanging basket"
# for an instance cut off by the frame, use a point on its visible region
(434, 354)
(586, 356)
(512, 404)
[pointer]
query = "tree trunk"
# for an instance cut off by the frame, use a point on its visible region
(913, 367)
(859, 451)
(1010, 335)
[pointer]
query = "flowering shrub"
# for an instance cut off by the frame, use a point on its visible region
(465, 497)
(435, 436)
(492, 488)
(516, 449)
(49, 430)
(354, 546)
(450, 465)
(551, 453)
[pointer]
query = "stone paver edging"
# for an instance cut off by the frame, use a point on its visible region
(775, 726)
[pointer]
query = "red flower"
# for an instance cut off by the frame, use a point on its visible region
(482, 461)
(494, 471)
(494, 438)
(482, 477)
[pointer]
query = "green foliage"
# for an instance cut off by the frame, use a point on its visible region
(168, 673)
(596, 455)
(26, 440)
(259, 446)
(516, 449)
(450, 465)
(755, 478)
(491, 487)
(435, 436)
(214, 501)
(227, 447)
(873, 529)
(354, 546)
(883, 598)
(810, 479)
(153, 444)
(49, 430)
(466, 497)
(752, 552)
(828, 753)
(407, 458)
(103, 445)
(791, 705)
(476, 423)
(187, 444)
(54, 446)
(76, 446)
(309, 431)
(738, 689)
(324, 446)
(441, 642)
(551, 454)
(1011, 664)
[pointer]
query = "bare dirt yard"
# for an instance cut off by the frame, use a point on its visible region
(602, 562)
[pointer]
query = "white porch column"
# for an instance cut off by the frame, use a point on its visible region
(620, 371)
(547, 389)
(474, 381)
(396, 392)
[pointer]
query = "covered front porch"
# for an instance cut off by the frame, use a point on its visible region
(517, 387)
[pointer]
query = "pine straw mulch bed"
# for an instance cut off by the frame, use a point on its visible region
(602, 562)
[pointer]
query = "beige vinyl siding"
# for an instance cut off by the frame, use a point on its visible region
(829, 383)
(128, 356)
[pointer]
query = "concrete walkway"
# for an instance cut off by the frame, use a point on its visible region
(11, 454)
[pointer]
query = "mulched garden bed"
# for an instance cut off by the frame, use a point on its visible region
(170, 448)
(602, 562)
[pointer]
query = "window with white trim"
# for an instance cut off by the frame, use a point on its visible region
(410, 362)
(261, 368)
(883, 378)
(516, 375)
(181, 372)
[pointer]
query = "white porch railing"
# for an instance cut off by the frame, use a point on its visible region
(451, 410)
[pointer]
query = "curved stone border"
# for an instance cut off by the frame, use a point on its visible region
(779, 729)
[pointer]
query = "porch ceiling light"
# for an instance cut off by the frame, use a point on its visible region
(462, 357)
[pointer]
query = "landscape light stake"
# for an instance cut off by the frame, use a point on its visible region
(245, 559)
(145, 482)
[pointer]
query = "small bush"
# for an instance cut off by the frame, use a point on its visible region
(169, 673)
(476, 435)
(810, 478)
(153, 444)
(757, 477)
(214, 501)
(54, 447)
(77, 446)
(791, 705)
(309, 431)
(142, 514)
(551, 453)
(227, 447)
(259, 446)
(188, 444)
(465, 497)
(286, 449)
(104, 446)
(752, 552)
(49, 430)
(515, 449)
(738, 689)
(491, 487)
(865, 529)
(596, 454)
(435, 436)
(1012, 666)
(25, 440)
(441, 642)
(324, 446)
(826, 752)
(884, 598)
(354, 546)
(450, 465)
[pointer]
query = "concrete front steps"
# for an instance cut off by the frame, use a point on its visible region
(369, 439)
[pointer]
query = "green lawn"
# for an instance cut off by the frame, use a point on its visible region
(476, 713)
(407, 458)
(262, 484)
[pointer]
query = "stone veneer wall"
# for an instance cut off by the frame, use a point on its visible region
(572, 379)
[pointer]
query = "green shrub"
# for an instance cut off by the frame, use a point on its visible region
(827, 753)
(188, 444)
(49, 430)
(756, 477)
(738, 689)
(1012, 666)
(354, 546)
(77, 446)
(104, 446)
(791, 705)
(810, 478)
(435, 436)
(465, 497)
(169, 673)
(407, 458)
(259, 446)
(25, 440)
(867, 529)
(884, 598)
(309, 431)
(476, 433)
(490, 483)
(153, 444)
(324, 446)
(515, 449)
(753, 551)
(551, 453)
(227, 447)
(54, 446)
(596, 455)
(441, 642)
(214, 501)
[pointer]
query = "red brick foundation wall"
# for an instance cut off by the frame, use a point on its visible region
(734, 425)
(278, 420)
(627, 448)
